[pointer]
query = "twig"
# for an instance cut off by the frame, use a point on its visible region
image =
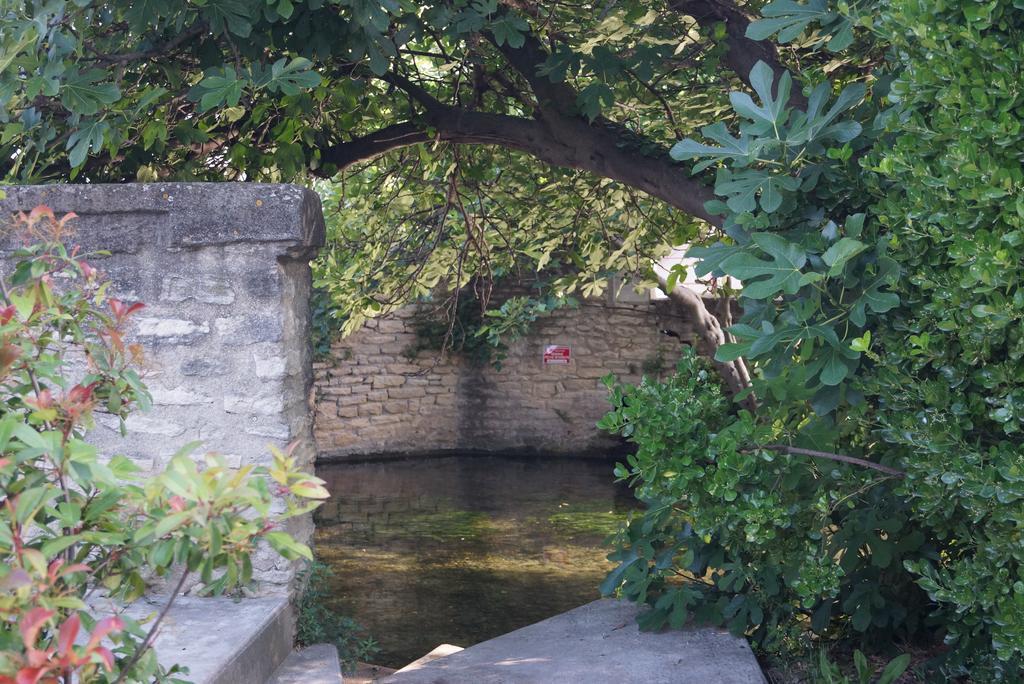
(785, 448)
(151, 636)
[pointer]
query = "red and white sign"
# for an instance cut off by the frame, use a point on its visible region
(557, 355)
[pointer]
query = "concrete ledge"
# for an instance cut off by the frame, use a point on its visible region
(126, 217)
(221, 640)
(317, 664)
(598, 643)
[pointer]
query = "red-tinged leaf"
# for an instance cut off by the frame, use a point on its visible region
(77, 567)
(103, 628)
(7, 313)
(30, 675)
(42, 211)
(68, 633)
(106, 656)
(43, 400)
(53, 570)
(38, 657)
(80, 394)
(121, 310)
(67, 217)
(32, 623)
(8, 355)
(4, 679)
(117, 307)
(87, 270)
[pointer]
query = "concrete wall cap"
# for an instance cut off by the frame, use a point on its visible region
(183, 215)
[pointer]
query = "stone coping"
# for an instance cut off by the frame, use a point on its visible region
(598, 643)
(220, 640)
(126, 217)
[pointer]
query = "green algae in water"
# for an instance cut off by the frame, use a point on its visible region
(462, 549)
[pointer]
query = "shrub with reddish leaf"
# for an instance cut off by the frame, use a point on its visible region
(74, 527)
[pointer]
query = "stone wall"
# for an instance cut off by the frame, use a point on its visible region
(372, 399)
(224, 272)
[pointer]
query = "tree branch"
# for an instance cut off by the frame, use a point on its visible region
(743, 53)
(785, 448)
(572, 144)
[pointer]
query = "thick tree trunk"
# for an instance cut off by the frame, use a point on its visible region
(710, 336)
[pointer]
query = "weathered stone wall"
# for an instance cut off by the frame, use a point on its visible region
(224, 272)
(372, 399)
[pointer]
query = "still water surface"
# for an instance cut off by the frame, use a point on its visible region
(461, 549)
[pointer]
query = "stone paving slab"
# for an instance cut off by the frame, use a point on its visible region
(317, 664)
(221, 640)
(598, 643)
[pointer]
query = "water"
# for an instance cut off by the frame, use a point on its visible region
(461, 549)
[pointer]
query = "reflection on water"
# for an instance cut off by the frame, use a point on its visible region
(461, 549)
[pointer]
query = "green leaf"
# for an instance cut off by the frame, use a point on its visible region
(28, 503)
(738, 149)
(220, 86)
(873, 297)
(593, 98)
(840, 253)
(285, 544)
(171, 522)
(896, 667)
(228, 16)
(835, 369)
(614, 578)
(741, 189)
(763, 279)
(88, 137)
(787, 18)
(52, 547)
(288, 78)
(85, 92)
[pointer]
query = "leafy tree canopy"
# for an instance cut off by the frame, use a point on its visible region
(857, 166)
(439, 112)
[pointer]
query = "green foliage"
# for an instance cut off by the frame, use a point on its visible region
(317, 623)
(325, 323)
(829, 673)
(73, 525)
(882, 309)
(458, 332)
(950, 378)
(742, 536)
(512, 320)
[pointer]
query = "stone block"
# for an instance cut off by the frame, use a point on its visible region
(385, 380)
(249, 329)
(396, 407)
(390, 325)
(264, 406)
(204, 288)
(178, 397)
(170, 330)
(271, 368)
(204, 367)
(406, 392)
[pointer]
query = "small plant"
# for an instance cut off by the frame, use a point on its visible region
(318, 624)
(74, 527)
(436, 331)
(829, 673)
(654, 365)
